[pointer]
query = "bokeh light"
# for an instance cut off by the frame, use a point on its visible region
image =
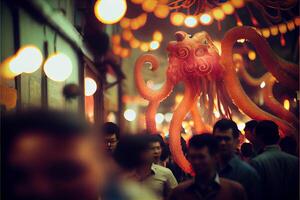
(218, 14)
(251, 55)
(161, 11)
(177, 18)
(130, 115)
(159, 118)
(157, 36)
(58, 67)
(154, 45)
(262, 84)
(90, 86)
(168, 117)
(190, 21)
(110, 12)
(205, 19)
(286, 104)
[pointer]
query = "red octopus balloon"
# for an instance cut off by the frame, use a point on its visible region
(212, 79)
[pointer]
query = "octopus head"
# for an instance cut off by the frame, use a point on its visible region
(191, 58)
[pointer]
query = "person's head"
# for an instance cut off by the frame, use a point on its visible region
(50, 155)
(156, 144)
(249, 130)
(227, 134)
(247, 150)
(288, 144)
(202, 154)
(267, 132)
(133, 151)
(111, 133)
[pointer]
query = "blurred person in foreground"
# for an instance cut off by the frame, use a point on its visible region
(111, 134)
(279, 171)
(155, 178)
(230, 166)
(288, 144)
(202, 155)
(49, 155)
(250, 135)
(247, 152)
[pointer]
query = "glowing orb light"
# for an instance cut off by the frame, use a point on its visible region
(157, 36)
(90, 86)
(177, 18)
(168, 117)
(251, 55)
(154, 45)
(161, 11)
(159, 118)
(58, 67)
(205, 19)
(130, 115)
(110, 11)
(190, 21)
(286, 104)
(262, 84)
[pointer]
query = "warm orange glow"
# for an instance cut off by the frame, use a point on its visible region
(205, 19)
(157, 36)
(291, 25)
(286, 104)
(149, 5)
(124, 53)
(218, 14)
(144, 46)
(177, 18)
(134, 24)
(282, 28)
(137, 1)
(274, 30)
(297, 21)
(162, 11)
(227, 8)
(125, 22)
(110, 12)
(6, 72)
(142, 19)
(251, 55)
(237, 3)
(154, 45)
(265, 32)
(116, 39)
(117, 50)
(134, 43)
(190, 21)
(127, 35)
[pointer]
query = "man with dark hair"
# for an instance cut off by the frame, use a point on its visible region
(249, 134)
(111, 133)
(202, 154)
(247, 152)
(230, 166)
(278, 170)
(156, 145)
(50, 155)
(158, 179)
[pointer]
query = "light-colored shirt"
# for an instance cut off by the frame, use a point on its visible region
(161, 181)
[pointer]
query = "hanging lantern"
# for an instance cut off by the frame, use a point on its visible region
(297, 21)
(290, 25)
(190, 21)
(127, 35)
(134, 43)
(205, 19)
(177, 18)
(237, 3)
(125, 22)
(161, 11)
(218, 14)
(142, 19)
(58, 67)
(227, 8)
(282, 28)
(265, 32)
(157, 36)
(149, 5)
(274, 30)
(251, 55)
(110, 12)
(134, 24)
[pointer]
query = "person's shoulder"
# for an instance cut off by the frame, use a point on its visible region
(183, 186)
(161, 169)
(245, 167)
(229, 184)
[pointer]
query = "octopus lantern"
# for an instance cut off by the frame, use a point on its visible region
(212, 81)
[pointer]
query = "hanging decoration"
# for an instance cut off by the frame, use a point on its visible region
(110, 12)
(211, 80)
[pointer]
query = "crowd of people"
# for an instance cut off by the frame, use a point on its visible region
(53, 155)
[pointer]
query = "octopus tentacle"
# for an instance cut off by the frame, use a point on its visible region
(285, 72)
(175, 127)
(250, 80)
(145, 92)
(233, 84)
(198, 122)
(274, 105)
(150, 116)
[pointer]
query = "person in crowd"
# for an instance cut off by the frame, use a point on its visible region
(158, 179)
(247, 152)
(288, 144)
(230, 166)
(249, 134)
(50, 155)
(202, 155)
(111, 133)
(156, 145)
(278, 170)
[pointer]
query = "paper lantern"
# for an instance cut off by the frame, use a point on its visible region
(190, 21)
(177, 18)
(237, 3)
(290, 25)
(127, 35)
(157, 36)
(142, 19)
(205, 19)
(161, 11)
(282, 28)
(110, 12)
(58, 67)
(134, 43)
(227, 8)
(149, 5)
(297, 21)
(125, 22)
(218, 14)
(134, 24)
(265, 32)
(274, 30)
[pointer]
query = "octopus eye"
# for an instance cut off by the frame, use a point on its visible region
(183, 52)
(200, 52)
(205, 41)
